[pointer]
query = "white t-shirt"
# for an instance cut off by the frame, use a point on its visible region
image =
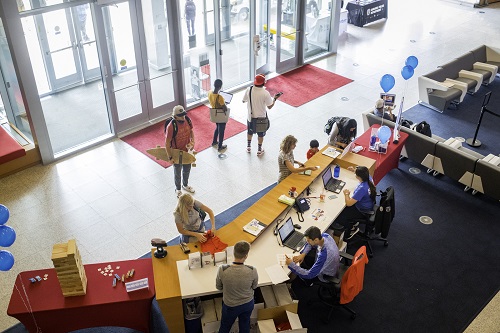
(261, 99)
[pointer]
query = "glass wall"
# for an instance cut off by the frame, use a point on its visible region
(317, 27)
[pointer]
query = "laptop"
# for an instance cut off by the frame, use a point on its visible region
(227, 96)
(331, 184)
(389, 99)
(290, 237)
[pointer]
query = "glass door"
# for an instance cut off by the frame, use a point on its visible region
(264, 9)
(287, 35)
(67, 42)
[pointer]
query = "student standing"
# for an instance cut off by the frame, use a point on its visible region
(216, 102)
(237, 282)
(259, 101)
(184, 138)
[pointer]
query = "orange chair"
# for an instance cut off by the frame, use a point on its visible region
(343, 289)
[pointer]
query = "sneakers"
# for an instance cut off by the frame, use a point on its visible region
(178, 193)
(261, 152)
(222, 149)
(249, 149)
(188, 188)
(215, 144)
(354, 231)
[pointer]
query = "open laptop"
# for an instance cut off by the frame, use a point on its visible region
(389, 99)
(331, 184)
(227, 96)
(290, 237)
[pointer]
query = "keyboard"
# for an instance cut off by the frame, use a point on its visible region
(335, 186)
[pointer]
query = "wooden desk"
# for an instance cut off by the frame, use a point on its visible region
(103, 305)
(384, 162)
(267, 210)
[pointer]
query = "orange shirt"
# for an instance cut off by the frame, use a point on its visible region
(352, 281)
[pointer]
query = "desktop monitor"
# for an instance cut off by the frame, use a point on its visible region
(389, 99)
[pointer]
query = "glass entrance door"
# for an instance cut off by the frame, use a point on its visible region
(68, 47)
(286, 35)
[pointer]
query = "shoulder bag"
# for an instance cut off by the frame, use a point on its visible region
(218, 114)
(260, 124)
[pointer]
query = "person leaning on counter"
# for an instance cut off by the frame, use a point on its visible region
(188, 221)
(286, 159)
(237, 282)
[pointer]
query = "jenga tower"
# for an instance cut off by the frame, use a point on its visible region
(69, 268)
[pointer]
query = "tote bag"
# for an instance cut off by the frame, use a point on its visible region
(217, 114)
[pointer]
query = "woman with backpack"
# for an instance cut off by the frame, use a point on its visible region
(342, 132)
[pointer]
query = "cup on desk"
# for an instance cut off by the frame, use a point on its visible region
(322, 197)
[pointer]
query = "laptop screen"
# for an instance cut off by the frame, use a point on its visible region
(389, 99)
(227, 96)
(286, 229)
(327, 176)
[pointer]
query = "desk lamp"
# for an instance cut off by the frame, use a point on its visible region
(160, 251)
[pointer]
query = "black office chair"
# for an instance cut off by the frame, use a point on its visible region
(378, 222)
(341, 290)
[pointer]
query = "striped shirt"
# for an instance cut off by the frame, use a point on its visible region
(283, 169)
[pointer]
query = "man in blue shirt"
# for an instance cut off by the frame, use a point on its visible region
(326, 256)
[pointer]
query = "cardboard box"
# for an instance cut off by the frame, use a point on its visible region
(276, 295)
(212, 313)
(267, 319)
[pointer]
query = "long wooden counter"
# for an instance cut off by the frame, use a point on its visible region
(266, 210)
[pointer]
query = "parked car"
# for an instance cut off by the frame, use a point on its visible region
(240, 9)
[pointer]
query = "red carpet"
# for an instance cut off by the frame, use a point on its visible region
(153, 136)
(304, 84)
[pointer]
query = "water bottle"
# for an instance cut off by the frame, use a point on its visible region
(336, 171)
(373, 139)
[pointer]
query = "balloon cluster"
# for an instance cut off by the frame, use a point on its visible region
(7, 238)
(387, 81)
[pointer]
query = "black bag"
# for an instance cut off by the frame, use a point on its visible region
(406, 123)
(260, 124)
(423, 128)
(340, 121)
(202, 213)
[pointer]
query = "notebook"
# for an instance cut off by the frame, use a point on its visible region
(254, 227)
(290, 237)
(227, 96)
(331, 184)
(332, 152)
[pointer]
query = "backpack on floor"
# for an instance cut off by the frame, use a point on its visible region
(423, 128)
(171, 119)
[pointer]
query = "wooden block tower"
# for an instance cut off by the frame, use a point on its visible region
(69, 268)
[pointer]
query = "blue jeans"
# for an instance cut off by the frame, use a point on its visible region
(186, 169)
(230, 313)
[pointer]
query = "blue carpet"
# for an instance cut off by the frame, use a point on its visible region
(463, 122)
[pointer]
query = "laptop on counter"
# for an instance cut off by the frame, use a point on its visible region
(290, 237)
(227, 96)
(331, 184)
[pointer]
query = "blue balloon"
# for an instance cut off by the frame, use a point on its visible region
(7, 235)
(387, 82)
(412, 61)
(4, 214)
(384, 134)
(407, 72)
(6, 261)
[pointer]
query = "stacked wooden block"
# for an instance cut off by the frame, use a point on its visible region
(69, 268)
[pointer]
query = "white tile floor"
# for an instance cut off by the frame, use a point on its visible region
(113, 199)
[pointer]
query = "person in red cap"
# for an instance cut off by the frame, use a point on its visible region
(260, 100)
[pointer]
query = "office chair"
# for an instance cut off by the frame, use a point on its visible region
(341, 290)
(378, 222)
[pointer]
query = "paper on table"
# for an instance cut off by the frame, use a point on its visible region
(276, 273)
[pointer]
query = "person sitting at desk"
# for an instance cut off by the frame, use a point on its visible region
(361, 202)
(326, 255)
(343, 132)
(380, 110)
(286, 160)
(188, 220)
(237, 282)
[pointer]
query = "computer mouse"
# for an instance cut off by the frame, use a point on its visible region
(297, 226)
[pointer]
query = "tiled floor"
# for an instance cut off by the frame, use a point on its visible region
(113, 199)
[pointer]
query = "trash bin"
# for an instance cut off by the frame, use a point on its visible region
(193, 311)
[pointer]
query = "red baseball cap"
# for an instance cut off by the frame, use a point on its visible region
(259, 80)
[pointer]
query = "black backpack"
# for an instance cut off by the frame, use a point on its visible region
(174, 124)
(423, 128)
(340, 123)
(406, 123)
